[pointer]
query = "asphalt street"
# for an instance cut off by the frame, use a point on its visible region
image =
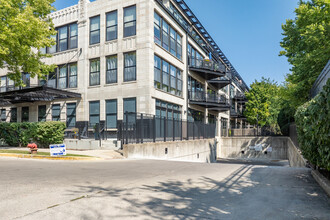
(150, 189)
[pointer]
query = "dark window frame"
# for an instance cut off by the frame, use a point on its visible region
(72, 115)
(13, 119)
(42, 118)
(3, 115)
(128, 67)
(27, 109)
(90, 71)
(96, 30)
(109, 70)
(178, 81)
(127, 22)
(111, 26)
(111, 114)
(94, 114)
(56, 117)
(56, 76)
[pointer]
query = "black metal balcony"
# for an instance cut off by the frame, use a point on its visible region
(219, 83)
(206, 100)
(236, 114)
(207, 69)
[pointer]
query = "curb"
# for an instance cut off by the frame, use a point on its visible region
(322, 181)
(30, 156)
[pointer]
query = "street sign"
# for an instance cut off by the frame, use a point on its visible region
(57, 149)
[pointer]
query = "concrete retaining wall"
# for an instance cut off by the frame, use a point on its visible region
(273, 148)
(294, 155)
(90, 144)
(192, 150)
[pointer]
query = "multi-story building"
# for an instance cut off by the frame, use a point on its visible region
(146, 56)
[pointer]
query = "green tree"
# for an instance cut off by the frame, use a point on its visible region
(306, 44)
(263, 104)
(24, 29)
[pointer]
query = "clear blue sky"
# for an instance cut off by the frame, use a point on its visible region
(247, 31)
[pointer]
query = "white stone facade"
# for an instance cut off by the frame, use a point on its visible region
(143, 43)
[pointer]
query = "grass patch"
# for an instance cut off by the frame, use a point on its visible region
(39, 153)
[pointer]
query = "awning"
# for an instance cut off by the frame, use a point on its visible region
(35, 94)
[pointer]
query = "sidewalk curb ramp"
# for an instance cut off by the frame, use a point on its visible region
(31, 156)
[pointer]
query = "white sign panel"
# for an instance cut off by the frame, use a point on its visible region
(258, 147)
(270, 149)
(57, 149)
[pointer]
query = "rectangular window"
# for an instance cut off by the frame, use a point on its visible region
(165, 76)
(111, 113)
(94, 76)
(129, 66)
(52, 79)
(73, 41)
(73, 75)
(3, 115)
(10, 84)
(172, 41)
(71, 115)
(130, 21)
(111, 25)
(41, 113)
(157, 24)
(62, 78)
(157, 72)
(3, 84)
(169, 110)
(165, 37)
(25, 114)
(56, 112)
(94, 36)
(94, 113)
(130, 110)
(13, 115)
(111, 75)
(63, 38)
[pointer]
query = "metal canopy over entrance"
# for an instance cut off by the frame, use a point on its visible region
(35, 94)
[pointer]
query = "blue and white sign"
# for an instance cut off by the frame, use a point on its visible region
(57, 149)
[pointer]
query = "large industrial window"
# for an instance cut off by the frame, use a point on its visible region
(111, 25)
(129, 110)
(13, 115)
(94, 36)
(111, 75)
(168, 110)
(129, 66)
(94, 112)
(94, 76)
(71, 115)
(167, 77)
(41, 113)
(65, 76)
(130, 21)
(167, 37)
(25, 114)
(111, 113)
(66, 38)
(3, 84)
(56, 112)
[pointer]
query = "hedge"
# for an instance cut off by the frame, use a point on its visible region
(42, 133)
(313, 128)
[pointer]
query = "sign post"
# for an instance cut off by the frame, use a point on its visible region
(57, 150)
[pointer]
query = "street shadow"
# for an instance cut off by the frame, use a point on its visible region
(203, 198)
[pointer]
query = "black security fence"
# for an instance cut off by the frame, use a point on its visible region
(248, 132)
(90, 130)
(142, 128)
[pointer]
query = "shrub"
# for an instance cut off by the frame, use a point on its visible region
(51, 132)
(313, 128)
(43, 133)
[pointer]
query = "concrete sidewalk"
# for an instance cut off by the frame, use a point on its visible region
(104, 154)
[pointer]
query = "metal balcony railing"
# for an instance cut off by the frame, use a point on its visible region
(207, 97)
(209, 65)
